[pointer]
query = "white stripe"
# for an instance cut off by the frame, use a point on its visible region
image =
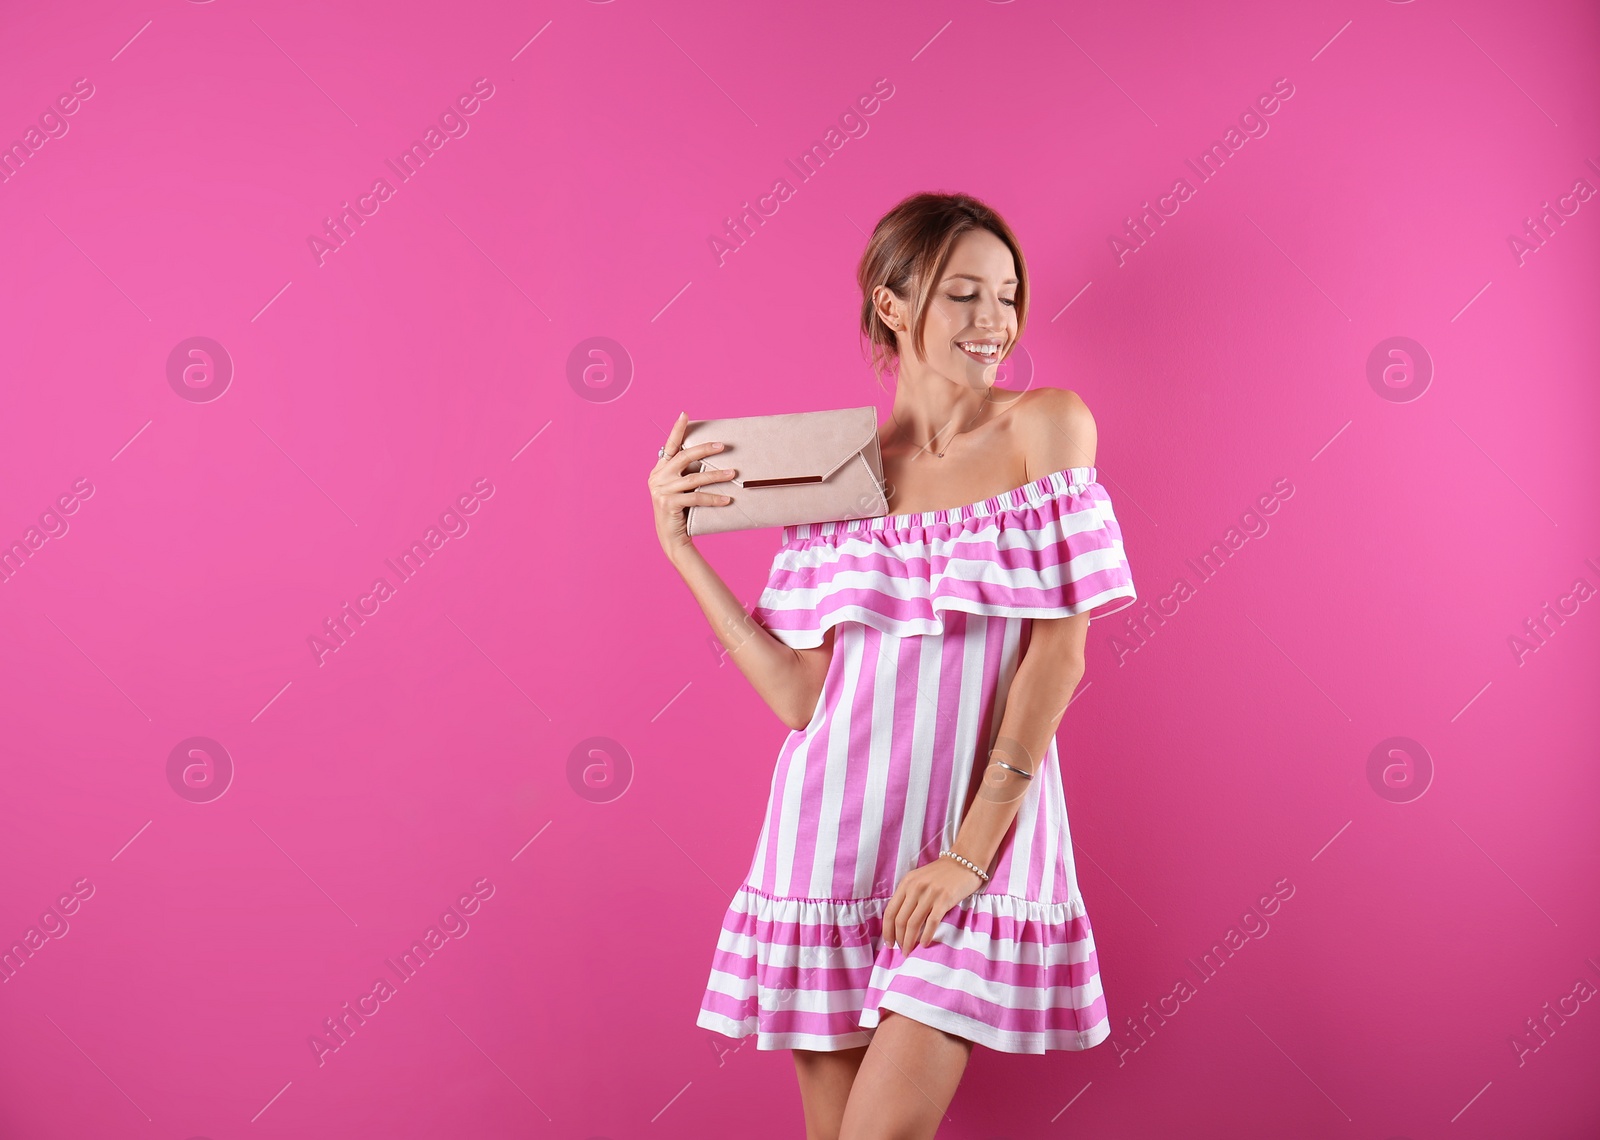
(995, 992)
(778, 1000)
(924, 725)
(1022, 842)
(987, 1035)
(964, 563)
(810, 638)
(819, 876)
(1022, 838)
(879, 759)
(782, 955)
(996, 948)
(1068, 481)
(789, 818)
(745, 1028)
(906, 594)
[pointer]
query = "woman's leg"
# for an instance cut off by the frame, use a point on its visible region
(825, 1079)
(906, 1081)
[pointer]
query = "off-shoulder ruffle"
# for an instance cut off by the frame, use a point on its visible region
(1051, 548)
(1012, 974)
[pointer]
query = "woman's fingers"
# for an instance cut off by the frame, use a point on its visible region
(701, 499)
(677, 463)
(679, 457)
(699, 479)
(904, 916)
(669, 475)
(914, 924)
(675, 436)
(913, 915)
(889, 916)
(674, 490)
(674, 447)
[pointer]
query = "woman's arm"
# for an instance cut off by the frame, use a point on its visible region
(1040, 691)
(789, 680)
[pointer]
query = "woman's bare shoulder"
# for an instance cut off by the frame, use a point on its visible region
(1058, 431)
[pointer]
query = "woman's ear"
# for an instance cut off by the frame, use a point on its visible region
(885, 304)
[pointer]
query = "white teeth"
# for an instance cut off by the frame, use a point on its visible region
(986, 349)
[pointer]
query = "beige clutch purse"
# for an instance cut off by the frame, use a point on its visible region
(799, 467)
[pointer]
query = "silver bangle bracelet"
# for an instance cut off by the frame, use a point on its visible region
(1013, 768)
(967, 863)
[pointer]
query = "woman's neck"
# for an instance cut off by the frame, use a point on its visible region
(930, 411)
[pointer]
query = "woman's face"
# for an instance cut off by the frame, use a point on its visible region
(973, 310)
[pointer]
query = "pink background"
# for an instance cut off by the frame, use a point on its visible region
(1222, 751)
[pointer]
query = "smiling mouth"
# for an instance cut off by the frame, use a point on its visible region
(986, 351)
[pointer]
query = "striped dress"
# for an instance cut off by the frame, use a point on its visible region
(933, 615)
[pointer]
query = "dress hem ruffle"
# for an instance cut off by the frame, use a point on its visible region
(1015, 975)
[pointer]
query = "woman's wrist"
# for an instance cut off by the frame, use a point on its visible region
(682, 555)
(962, 860)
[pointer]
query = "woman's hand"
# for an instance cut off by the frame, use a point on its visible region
(675, 492)
(922, 898)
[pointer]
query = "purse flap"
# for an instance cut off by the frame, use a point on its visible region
(771, 454)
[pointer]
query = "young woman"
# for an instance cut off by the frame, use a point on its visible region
(913, 890)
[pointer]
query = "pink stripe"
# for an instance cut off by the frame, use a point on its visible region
(1023, 975)
(1041, 824)
(1059, 1018)
(1060, 884)
(855, 785)
(908, 713)
(804, 1021)
(1034, 539)
(766, 935)
(811, 979)
(1072, 590)
(1039, 789)
(986, 917)
(784, 1020)
(994, 660)
(836, 1024)
(789, 756)
(769, 869)
(856, 925)
(1091, 502)
(917, 589)
(1044, 563)
(805, 822)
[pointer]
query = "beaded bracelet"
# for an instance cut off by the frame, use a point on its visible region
(967, 863)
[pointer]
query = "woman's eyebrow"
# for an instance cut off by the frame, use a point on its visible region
(975, 277)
